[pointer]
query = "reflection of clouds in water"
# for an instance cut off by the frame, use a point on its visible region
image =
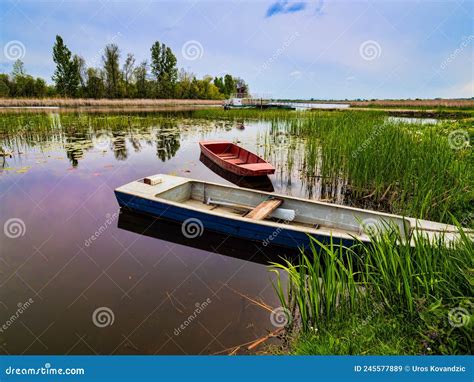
(160, 137)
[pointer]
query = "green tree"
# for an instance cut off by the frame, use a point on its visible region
(73, 78)
(163, 67)
(206, 89)
(40, 88)
(18, 69)
(141, 73)
(25, 86)
(95, 84)
(219, 82)
(128, 72)
(80, 65)
(113, 75)
(4, 85)
(66, 75)
(194, 90)
(183, 86)
(229, 85)
(51, 91)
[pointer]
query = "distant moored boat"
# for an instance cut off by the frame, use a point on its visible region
(235, 159)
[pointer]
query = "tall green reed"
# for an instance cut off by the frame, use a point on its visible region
(406, 276)
(407, 169)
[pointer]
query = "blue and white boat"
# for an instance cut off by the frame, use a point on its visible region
(262, 216)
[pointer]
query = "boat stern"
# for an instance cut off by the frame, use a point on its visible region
(147, 188)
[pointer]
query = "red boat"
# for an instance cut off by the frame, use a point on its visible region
(235, 159)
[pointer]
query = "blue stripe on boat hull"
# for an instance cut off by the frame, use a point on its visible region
(242, 229)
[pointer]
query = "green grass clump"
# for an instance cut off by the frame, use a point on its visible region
(341, 299)
(361, 335)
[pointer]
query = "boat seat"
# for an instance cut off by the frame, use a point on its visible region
(235, 161)
(257, 166)
(264, 209)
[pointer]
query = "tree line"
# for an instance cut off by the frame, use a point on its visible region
(157, 78)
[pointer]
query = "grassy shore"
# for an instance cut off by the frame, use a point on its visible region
(419, 103)
(448, 109)
(384, 298)
(112, 103)
(430, 104)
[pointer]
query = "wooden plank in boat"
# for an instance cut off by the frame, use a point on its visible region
(236, 161)
(264, 209)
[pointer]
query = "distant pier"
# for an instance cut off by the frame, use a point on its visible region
(261, 103)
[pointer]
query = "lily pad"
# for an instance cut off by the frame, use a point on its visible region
(22, 170)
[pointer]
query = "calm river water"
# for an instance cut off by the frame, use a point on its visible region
(122, 292)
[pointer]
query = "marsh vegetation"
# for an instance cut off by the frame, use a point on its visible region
(384, 298)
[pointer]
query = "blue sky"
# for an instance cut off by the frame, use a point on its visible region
(293, 49)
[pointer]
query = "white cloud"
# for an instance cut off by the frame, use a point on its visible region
(295, 74)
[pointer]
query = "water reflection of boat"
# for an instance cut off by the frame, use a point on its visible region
(235, 159)
(144, 224)
(256, 215)
(262, 183)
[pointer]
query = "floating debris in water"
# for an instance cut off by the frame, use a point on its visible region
(23, 169)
